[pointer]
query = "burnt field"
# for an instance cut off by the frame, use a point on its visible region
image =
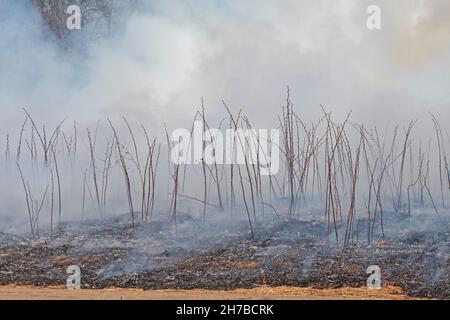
(220, 255)
(343, 198)
(205, 146)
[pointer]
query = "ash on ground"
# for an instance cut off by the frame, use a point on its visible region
(224, 255)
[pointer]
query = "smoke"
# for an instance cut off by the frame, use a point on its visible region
(163, 56)
(424, 37)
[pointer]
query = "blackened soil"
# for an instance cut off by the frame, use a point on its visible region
(283, 252)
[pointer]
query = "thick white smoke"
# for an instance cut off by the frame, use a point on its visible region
(164, 56)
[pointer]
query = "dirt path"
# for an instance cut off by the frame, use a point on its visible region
(260, 293)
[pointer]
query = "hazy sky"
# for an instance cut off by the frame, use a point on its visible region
(164, 56)
(163, 59)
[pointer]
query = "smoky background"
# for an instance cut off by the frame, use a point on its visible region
(152, 62)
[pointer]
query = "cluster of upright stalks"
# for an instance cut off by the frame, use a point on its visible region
(356, 174)
(60, 146)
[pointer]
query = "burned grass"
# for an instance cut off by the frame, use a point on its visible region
(282, 253)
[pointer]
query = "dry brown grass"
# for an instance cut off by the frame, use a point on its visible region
(242, 265)
(263, 292)
(62, 261)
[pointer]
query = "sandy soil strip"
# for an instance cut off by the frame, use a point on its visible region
(260, 293)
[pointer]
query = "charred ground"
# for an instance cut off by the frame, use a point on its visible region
(219, 256)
